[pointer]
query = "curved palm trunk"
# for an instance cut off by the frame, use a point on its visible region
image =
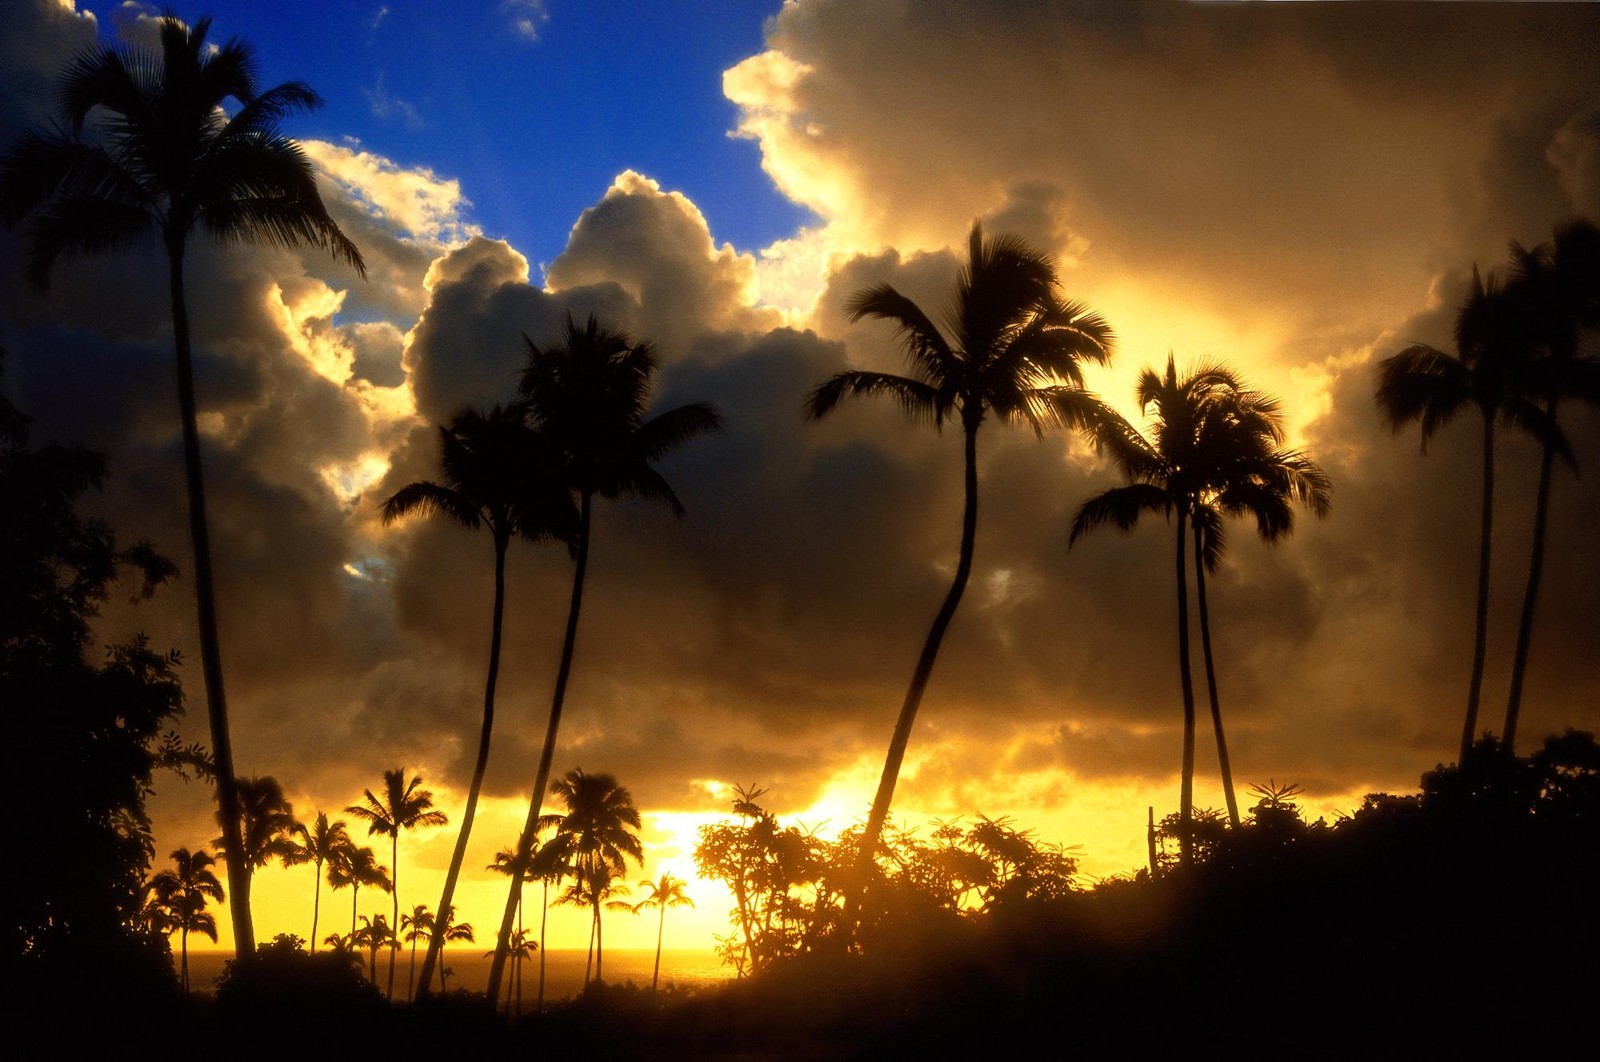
(316, 907)
(544, 915)
(1530, 597)
(919, 682)
(1481, 633)
(661, 927)
(411, 977)
(569, 641)
(205, 598)
(457, 857)
(183, 949)
(394, 894)
(599, 940)
(1186, 785)
(1211, 682)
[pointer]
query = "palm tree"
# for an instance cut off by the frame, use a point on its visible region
(403, 806)
(168, 159)
(522, 948)
(590, 397)
(1215, 452)
(375, 933)
(181, 894)
(447, 930)
(666, 891)
(416, 925)
(505, 863)
(356, 867)
(498, 474)
(322, 843)
(549, 863)
(597, 835)
(1563, 282)
(1016, 352)
(266, 820)
(1487, 371)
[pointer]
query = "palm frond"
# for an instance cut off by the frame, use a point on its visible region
(926, 347)
(666, 432)
(429, 499)
(918, 400)
(1120, 506)
(1422, 383)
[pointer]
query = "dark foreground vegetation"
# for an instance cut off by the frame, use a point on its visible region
(1461, 918)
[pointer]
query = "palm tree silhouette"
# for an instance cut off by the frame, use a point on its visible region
(403, 806)
(415, 925)
(265, 821)
(1016, 352)
(666, 891)
(1488, 371)
(375, 933)
(448, 930)
(323, 843)
(1215, 451)
(590, 397)
(167, 158)
(548, 863)
(597, 836)
(499, 474)
(181, 894)
(505, 862)
(1562, 279)
(356, 867)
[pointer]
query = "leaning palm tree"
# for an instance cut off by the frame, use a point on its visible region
(403, 806)
(1488, 371)
(321, 843)
(167, 159)
(590, 397)
(1010, 347)
(597, 835)
(356, 867)
(502, 475)
(180, 895)
(666, 891)
(1214, 451)
(1563, 281)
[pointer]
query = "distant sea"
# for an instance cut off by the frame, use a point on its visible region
(688, 968)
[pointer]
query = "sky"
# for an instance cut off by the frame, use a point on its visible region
(1299, 189)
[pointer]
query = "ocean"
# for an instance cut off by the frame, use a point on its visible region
(688, 968)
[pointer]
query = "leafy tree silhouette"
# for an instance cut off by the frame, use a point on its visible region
(498, 474)
(1016, 352)
(181, 894)
(403, 806)
(1562, 280)
(1214, 451)
(1488, 371)
(167, 158)
(322, 843)
(590, 396)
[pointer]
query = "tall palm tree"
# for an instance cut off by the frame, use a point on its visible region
(1488, 371)
(356, 867)
(403, 806)
(321, 843)
(167, 158)
(1563, 281)
(666, 891)
(548, 864)
(1215, 451)
(1011, 347)
(499, 474)
(590, 396)
(181, 894)
(597, 836)
(266, 820)
(416, 925)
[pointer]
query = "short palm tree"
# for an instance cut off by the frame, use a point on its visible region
(322, 843)
(1215, 451)
(403, 806)
(1562, 279)
(590, 396)
(1010, 347)
(505, 862)
(1487, 371)
(597, 836)
(666, 891)
(415, 925)
(502, 475)
(448, 931)
(180, 895)
(167, 159)
(374, 935)
(357, 867)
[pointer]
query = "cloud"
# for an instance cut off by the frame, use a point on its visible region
(416, 202)
(385, 107)
(525, 17)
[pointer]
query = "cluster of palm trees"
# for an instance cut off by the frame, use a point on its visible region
(1517, 357)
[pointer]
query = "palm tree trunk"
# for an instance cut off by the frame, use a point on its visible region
(457, 857)
(544, 915)
(355, 893)
(1211, 682)
(205, 598)
(661, 928)
(1530, 597)
(183, 949)
(1481, 632)
(516, 971)
(588, 961)
(411, 977)
(599, 940)
(394, 895)
(316, 907)
(1186, 784)
(569, 642)
(919, 682)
